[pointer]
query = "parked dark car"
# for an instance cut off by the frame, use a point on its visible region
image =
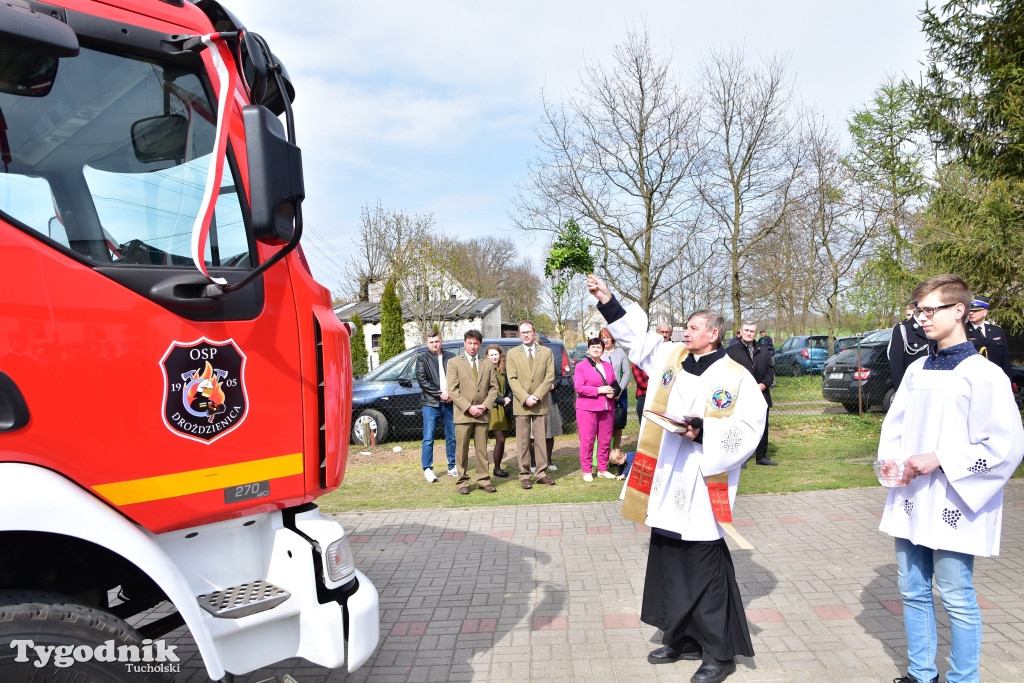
(388, 398)
(844, 381)
(843, 343)
(1017, 377)
(840, 378)
(802, 355)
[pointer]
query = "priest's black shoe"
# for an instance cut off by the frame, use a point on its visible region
(713, 672)
(666, 654)
(766, 461)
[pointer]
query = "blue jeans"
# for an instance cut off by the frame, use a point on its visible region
(623, 469)
(954, 577)
(431, 415)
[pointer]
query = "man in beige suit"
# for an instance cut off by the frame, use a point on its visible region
(531, 372)
(473, 388)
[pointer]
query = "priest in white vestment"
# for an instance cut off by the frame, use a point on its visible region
(690, 590)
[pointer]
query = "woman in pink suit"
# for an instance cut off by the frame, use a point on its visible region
(595, 386)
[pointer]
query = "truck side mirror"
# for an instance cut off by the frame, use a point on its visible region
(160, 138)
(257, 65)
(276, 185)
(30, 45)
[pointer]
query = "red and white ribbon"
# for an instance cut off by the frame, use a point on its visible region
(226, 88)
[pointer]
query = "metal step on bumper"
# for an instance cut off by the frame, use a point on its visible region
(242, 600)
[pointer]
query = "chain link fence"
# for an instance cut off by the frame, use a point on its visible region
(797, 401)
(372, 425)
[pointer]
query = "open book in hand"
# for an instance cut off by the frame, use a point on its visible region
(676, 425)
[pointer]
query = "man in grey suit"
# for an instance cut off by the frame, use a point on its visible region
(531, 372)
(473, 388)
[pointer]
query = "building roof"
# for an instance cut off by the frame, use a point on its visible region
(453, 309)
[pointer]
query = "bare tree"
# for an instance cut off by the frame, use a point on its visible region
(486, 265)
(616, 157)
(387, 243)
(496, 267)
(784, 279)
(698, 273)
(427, 282)
(834, 216)
(565, 305)
(750, 163)
(521, 299)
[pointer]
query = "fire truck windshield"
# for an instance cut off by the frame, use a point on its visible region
(112, 162)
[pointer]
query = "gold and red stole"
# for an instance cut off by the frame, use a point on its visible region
(641, 475)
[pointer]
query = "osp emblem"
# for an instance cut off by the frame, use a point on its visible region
(204, 388)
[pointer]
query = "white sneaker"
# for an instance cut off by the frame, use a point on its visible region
(533, 470)
(605, 474)
(588, 477)
(620, 477)
(453, 472)
(552, 468)
(429, 475)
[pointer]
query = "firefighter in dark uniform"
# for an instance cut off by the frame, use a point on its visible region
(988, 339)
(908, 343)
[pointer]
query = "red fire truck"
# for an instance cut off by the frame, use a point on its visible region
(175, 390)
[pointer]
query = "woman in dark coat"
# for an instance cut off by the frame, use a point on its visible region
(500, 420)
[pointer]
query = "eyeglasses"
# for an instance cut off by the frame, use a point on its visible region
(929, 311)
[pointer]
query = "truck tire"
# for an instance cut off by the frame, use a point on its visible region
(378, 425)
(51, 619)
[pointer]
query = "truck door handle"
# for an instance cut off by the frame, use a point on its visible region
(13, 409)
(186, 289)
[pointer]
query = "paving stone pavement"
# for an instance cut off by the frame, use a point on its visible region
(552, 593)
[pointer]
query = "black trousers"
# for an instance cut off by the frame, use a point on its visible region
(761, 452)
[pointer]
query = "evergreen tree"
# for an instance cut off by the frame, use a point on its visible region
(360, 364)
(972, 98)
(888, 166)
(971, 104)
(392, 332)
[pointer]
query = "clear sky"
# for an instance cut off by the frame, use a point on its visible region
(431, 106)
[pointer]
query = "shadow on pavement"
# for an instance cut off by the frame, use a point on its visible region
(441, 592)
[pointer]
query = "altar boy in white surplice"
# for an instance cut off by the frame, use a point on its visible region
(955, 429)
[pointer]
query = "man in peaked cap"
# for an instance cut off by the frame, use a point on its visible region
(907, 344)
(989, 339)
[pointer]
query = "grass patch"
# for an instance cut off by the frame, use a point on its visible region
(815, 449)
(387, 480)
(819, 452)
(802, 389)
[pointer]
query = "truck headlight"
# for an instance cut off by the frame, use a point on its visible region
(339, 560)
